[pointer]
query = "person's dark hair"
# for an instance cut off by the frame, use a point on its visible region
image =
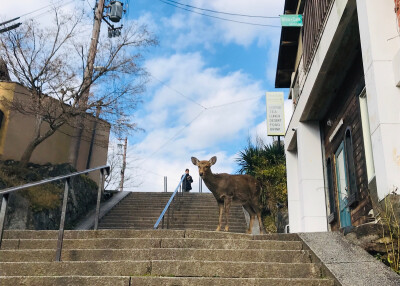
(186, 170)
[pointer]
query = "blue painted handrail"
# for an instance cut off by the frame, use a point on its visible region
(169, 202)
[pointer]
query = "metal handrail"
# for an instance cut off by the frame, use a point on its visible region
(52, 179)
(66, 178)
(169, 203)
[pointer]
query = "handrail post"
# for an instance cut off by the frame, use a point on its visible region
(3, 215)
(165, 184)
(200, 185)
(62, 221)
(99, 192)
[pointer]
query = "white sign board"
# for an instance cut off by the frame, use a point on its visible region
(275, 114)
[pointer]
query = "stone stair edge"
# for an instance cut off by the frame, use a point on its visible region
(162, 280)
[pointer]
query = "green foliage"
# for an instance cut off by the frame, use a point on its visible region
(389, 219)
(269, 224)
(267, 164)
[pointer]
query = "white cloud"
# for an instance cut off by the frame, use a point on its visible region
(196, 29)
(212, 133)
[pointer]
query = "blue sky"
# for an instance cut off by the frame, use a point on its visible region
(202, 63)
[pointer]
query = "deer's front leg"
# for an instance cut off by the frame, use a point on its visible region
(221, 208)
(227, 206)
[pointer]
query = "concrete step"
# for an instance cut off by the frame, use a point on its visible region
(151, 212)
(181, 226)
(118, 233)
(127, 233)
(236, 255)
(179, 219)
(174, 268)
(204, 281)
(142, 243)
(156, 281)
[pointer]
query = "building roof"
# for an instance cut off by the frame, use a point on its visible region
(288, 46)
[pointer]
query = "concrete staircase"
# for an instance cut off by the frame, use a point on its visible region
(190, 211)
(157, 257)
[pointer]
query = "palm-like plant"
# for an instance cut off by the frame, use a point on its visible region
(266, 162)
(254, 156)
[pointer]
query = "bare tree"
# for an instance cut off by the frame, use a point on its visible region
(50, 62)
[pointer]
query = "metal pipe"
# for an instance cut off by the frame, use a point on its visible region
(59, 178)
(99, 192)
(62, 221)
(3, 215)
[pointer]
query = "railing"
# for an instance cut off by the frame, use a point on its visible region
(166, 208)
(67, 179)
(315, 13)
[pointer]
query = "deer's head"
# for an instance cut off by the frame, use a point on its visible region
(204, 166)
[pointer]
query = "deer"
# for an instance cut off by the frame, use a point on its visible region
(227, 189)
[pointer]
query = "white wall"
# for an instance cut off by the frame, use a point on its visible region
(380, 42)
(311, 178)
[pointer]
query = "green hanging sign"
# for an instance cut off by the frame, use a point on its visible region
(292, 20)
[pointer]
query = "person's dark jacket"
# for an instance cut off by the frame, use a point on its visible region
(187, 183)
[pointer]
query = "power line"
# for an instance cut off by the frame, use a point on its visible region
(234, 102)
(178, 92)
(174, 136)
(225, 13)
(44, 7)
(47, 11)
(216, 17)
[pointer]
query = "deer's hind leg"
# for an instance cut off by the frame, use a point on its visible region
(227, 206)
(252, 217)
(221, 209)
(262, 231)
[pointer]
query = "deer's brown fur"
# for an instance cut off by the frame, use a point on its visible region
(228, 189)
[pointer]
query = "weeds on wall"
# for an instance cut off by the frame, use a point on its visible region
(388, 217)
(392, 232)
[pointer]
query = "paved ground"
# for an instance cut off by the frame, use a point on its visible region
(351, 265)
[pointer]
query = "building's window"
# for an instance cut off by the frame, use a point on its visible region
(367, 136)
(331, 194)
(351, 171)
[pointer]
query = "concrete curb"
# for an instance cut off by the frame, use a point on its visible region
(348, 264)
(88, 221)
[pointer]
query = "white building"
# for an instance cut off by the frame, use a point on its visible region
(343, 141)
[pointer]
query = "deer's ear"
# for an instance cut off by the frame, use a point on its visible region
(213, 160)
(195, 161)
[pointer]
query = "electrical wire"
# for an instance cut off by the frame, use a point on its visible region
(225, 13)
(234, 102)
(216, 17)
(47, 11)
(44, 7)
(180, 93)
(173, 137)
(202, 106)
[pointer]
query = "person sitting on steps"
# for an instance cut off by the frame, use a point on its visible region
(187, 181)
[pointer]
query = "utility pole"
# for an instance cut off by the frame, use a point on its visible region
(121, 184)
(87, 77)
(88, 74)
